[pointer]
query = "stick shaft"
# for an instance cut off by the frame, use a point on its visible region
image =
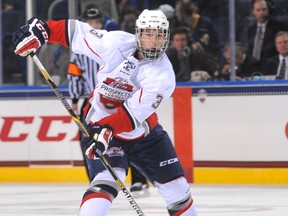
(86, 133)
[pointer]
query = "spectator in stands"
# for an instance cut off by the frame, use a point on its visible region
(186, 60)
(246, 65)
(261, 34)
(180, 54)
(277, 65)
(204, 33)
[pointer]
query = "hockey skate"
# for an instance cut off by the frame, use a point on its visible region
(139, 190)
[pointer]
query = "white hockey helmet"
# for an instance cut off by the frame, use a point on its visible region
(148, 21)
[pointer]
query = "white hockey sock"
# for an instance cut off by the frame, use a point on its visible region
(95, 207)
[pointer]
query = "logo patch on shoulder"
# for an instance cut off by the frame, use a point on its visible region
(96, 33)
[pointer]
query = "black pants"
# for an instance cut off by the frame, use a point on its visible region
(154, 156)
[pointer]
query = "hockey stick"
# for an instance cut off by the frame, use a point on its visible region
(85, 132)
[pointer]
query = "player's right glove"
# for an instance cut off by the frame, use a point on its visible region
(29, 37)
(97, 143)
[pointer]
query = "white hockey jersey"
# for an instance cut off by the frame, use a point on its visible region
(128, 91)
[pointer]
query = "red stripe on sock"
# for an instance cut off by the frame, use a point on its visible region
(96, 195)
(185, 209)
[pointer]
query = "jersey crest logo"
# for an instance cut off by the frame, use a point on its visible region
(129, 65)
(120, 83)
(113, 92)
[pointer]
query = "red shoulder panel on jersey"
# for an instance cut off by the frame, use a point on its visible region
(119, 121)
(59, 32)
(152, 121)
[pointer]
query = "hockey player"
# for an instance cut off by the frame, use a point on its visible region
(135, 77)
(82, 78)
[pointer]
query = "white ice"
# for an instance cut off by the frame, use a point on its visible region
(211, 200)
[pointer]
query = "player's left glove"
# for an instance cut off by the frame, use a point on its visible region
(31, 36)
(96, 145)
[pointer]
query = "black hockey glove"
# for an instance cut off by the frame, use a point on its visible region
(96, 145)
(29, 37)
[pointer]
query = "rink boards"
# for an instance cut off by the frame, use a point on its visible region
(223, 133)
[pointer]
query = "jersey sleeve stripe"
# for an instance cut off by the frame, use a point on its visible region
(141, 92)
(91, 49)
(132, 119)
(66, 32)
(70, 29)
(58, 33)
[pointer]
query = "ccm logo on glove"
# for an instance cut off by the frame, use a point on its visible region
(43, 31)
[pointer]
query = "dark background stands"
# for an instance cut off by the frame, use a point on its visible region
(263, 11)
(246, 65)
(273, 64)
(186, 60)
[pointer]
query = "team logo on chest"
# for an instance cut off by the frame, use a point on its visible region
(127, 68)
(113, 92)
(129, 65)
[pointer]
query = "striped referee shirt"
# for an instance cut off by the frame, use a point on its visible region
(82, 76)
